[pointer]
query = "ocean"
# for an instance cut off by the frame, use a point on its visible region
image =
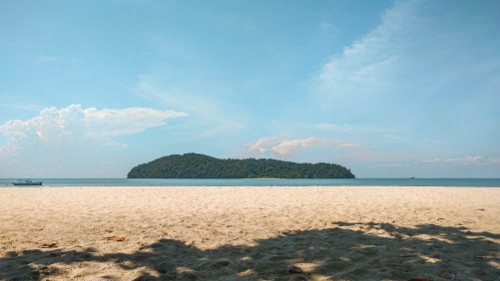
(54, 182)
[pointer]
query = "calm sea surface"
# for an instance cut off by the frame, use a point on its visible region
(262, 182)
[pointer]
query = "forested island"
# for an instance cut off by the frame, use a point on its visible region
(193, 165)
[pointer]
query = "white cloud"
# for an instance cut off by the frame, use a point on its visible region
(467, 160)
(262, 145)
(283, 148)
(326, 26)
(369, 65)
(208, 104)
(421, 52)
(52, 125)
(111, 122)
(45, 59)
(72, 134)
(438, 164)
(427, 71)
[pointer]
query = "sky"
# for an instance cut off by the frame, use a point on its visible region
(384, 88)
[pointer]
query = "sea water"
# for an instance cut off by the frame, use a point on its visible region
(54, 182)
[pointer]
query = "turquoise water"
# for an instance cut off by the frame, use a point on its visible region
(262, 182)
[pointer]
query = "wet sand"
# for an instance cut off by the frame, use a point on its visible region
(249, 233)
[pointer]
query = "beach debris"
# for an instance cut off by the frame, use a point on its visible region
(490, 259)
(117, 238)
(49, 245)
(482, 257)
(294, 269)
(419, 279)
(480, 209)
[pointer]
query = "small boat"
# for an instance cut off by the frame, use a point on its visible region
(26, 182)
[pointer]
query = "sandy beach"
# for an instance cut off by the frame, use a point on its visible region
(249, 233)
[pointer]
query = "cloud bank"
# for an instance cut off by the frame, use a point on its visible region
(284, 149)
(53, 125)
(74, 133)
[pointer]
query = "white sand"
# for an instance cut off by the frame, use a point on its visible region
(250, 233)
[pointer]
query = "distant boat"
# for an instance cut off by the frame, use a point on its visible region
(26, 182)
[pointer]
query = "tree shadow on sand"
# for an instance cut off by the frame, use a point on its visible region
(346, 251)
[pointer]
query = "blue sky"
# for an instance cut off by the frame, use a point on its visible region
(385, 88)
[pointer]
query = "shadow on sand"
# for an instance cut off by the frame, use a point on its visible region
(346, 251)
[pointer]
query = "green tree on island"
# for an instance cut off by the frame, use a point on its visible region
(193, 165)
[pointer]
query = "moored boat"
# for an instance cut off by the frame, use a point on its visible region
(26, 182)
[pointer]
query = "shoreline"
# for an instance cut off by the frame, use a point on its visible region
(249, 232)
(436, 182)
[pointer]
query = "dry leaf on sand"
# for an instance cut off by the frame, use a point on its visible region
(117, 238)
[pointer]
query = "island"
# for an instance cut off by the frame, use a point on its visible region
(193, 165)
